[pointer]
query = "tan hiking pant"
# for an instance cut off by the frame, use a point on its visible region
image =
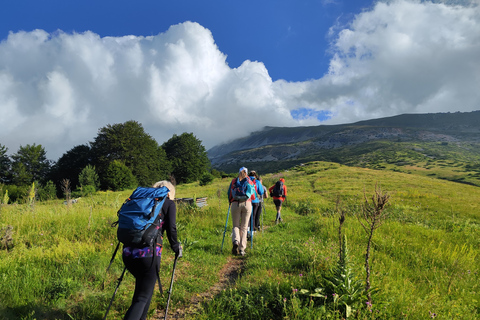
(241, 212)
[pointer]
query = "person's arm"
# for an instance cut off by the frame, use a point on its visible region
(260, 188)
(170, 226)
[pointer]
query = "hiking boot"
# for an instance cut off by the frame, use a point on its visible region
(242, 253)
(280, 220)
(235, 248)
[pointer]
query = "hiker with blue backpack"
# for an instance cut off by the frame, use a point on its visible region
(256, 203)
(241, 192)
(279, 194)
(143, 262)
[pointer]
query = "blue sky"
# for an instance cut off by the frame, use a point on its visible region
(223, 69)
(289, 37)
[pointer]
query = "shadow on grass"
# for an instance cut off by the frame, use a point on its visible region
(32, 312)
(90, 307)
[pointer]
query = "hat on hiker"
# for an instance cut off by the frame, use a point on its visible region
(243, 169)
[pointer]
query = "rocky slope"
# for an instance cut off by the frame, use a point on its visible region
(290, 146)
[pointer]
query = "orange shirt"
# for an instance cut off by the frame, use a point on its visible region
(284, 192)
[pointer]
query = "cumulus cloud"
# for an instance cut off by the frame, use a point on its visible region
(401, 56)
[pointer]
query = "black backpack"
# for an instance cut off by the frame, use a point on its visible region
(278, 189)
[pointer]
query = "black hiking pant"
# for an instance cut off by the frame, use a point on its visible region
(256, 213)
(145, 271)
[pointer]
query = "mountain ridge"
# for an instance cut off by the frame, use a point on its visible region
(294, 145)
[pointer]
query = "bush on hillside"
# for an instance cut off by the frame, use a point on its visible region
(206, 178)
(119, 177)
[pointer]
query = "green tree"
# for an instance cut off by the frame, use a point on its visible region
(188, 157)
(89, 177)
(47, 192)
(128, 143)
(5, 164)
(119, 177)
(30, 164)
(70, 164)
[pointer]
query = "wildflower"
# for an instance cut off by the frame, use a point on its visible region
(301, 275)
(432, 314)
(295, 290)
(284, 299)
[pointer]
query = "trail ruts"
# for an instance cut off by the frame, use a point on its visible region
(227, 276)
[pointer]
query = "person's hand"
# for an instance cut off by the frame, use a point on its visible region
(179, 253)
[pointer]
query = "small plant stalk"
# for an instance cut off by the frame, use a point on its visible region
(373, 216)
(341, 220)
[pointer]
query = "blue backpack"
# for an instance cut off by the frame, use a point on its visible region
(140, 218)
(139, 222)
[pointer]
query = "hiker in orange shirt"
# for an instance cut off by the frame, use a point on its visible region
(279, 193)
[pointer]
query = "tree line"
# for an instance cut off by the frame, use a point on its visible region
(122, 156)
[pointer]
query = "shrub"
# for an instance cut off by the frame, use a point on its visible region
(206, 178)
(119, 177)
(47, 192)
(304, 208)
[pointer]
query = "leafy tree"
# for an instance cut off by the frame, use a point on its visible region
(30, 164)
(89, 177)
(138, 151)
(188, 157)
(70, 164)
(5, 164)
(48, 191)
(119, 177)
(206, 178)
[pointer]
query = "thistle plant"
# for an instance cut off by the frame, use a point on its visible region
(346, 290)
(373, 215)
(341, 219)
(342, 288)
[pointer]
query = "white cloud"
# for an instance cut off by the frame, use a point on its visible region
(401, 56)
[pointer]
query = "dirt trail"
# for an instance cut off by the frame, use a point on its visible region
(227, 276)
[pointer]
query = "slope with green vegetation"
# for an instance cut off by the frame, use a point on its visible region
(442, 145)
(424, 257)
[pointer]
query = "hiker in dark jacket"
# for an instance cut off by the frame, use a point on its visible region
(144, 263)
(278, 199)
(256, 203)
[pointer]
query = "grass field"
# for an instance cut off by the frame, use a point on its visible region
(424, 259)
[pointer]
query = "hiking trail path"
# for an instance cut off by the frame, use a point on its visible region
(228, 275)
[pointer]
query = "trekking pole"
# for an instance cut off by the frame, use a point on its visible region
(263, 213)
(113, 297)
(171, 286)
(224, 231)
(251, 231)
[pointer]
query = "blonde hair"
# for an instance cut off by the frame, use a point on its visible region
(169, 185)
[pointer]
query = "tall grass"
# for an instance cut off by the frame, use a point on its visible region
(424, 258)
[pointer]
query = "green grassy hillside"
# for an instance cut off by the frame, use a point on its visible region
(459, 162)
(425, 256)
